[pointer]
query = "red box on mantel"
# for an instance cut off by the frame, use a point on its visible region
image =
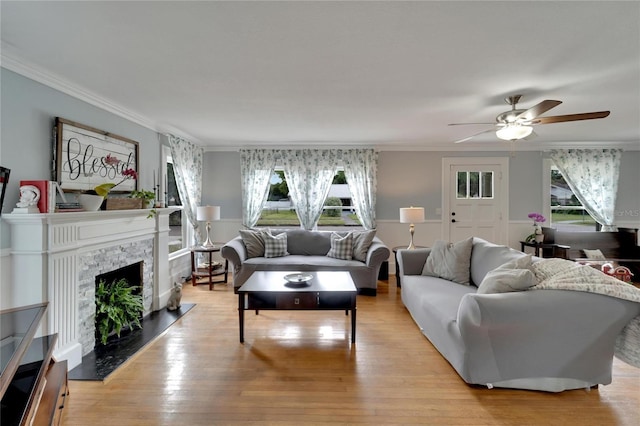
(44, 188)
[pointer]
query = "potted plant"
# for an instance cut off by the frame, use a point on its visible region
(116, 307)
(147, 198)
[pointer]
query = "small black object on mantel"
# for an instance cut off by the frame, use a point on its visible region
(4, 181)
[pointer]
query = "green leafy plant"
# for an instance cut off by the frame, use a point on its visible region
(116, 307)
(147, 196)
(334, 202)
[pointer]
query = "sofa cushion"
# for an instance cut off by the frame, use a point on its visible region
(487, 256)
(309, 243)
(253, 240)
(361, 242)
(450, 261)
(341, 246)
(514, 275)
(275, 246)
(595, 254)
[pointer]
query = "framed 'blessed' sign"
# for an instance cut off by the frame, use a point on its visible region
(85, 157)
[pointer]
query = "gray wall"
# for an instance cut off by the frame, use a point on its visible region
(26, 137)
(404, 177)
(415, 178)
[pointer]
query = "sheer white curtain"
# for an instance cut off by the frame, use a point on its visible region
(309, 173)
(361, 169)
(592, 175)
(256, 168)
(187, 166)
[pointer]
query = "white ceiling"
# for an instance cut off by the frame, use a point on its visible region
(385, 74)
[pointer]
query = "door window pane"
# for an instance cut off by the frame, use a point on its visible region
(486, 184)
(474, 185)
(462, 185)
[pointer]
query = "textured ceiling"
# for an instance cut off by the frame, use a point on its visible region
(384, 74)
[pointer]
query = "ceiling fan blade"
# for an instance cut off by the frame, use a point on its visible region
(465, 124)
(572, 117)
(538, 109)
(473, 136)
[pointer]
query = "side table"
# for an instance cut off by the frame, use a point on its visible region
(395, 255)
(210, 269)
(557, 250)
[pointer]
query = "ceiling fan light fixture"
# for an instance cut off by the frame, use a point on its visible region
(514, 131)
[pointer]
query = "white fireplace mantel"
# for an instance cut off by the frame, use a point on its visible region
(45, 249)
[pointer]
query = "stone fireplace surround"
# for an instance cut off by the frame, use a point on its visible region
(56, 257)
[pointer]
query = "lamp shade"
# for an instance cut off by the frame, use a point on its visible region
(208, 213)
(412, 214)
(512, 132)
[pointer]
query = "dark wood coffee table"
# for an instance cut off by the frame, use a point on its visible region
(327, 290)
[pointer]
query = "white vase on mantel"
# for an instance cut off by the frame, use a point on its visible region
(90, 202)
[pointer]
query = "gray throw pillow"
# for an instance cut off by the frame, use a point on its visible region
(253, 240)
(514, 275)
(361, 242)
(275, 246)
(450, 261)
(341, 246)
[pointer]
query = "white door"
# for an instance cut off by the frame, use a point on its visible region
(475, 199)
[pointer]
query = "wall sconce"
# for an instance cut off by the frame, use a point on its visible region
(411, 215)
(208, 214)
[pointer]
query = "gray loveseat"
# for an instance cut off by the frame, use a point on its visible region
(550, 340)
(307, 251)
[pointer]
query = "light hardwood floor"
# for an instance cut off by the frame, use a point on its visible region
(300, 368)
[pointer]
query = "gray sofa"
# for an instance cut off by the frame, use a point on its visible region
(550, 340)
(307, 251)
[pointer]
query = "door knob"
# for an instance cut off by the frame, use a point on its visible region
(453, 213)
(453, 221)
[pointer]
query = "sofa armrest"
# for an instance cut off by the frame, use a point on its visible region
(509, 334)
(235, 252)
(411, 262)
(377, 253)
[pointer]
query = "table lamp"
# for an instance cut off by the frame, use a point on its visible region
(208, 214)
(411, 215)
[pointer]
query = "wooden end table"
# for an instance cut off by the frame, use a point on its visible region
(211, 268)
(327, 290)
(557, 250)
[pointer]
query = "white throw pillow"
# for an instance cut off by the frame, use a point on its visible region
(275, 246)
(450, 261)
(594, 254)
(341, 246)
(514, 275)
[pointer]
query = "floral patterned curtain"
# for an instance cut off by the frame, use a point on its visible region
(256, 168)
(309, 173)
(592, 175)
(361, 169)
(187, 166)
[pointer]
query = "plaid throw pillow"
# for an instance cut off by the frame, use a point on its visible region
(275, 246)
(341, 246)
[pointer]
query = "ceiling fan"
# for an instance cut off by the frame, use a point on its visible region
(517, 123)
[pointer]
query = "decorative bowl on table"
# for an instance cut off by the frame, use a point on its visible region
(298, 279)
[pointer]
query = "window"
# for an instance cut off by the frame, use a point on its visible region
(178, 234)
(474, 185)
(338, 209)
(567, 213)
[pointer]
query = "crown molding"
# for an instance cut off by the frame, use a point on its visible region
(12, 62)
(42, 76)
(26, 69)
